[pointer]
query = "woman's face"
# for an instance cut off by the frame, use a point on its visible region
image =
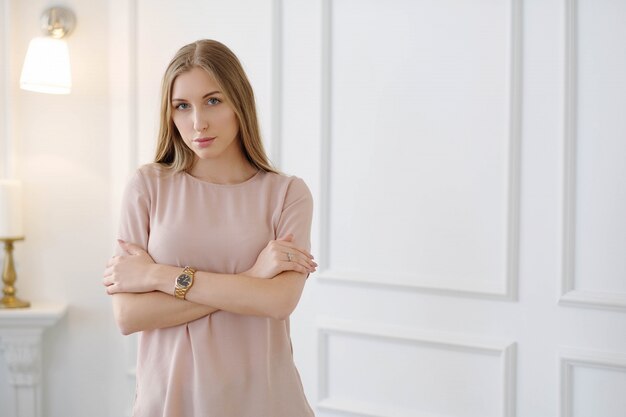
(206, 122)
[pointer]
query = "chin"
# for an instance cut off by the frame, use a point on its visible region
(206, 157)
(207, 153)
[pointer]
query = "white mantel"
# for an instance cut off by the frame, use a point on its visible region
(21, 333)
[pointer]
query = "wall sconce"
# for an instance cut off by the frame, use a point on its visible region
(47, 64)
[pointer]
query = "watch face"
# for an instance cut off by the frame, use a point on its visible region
(183, 280)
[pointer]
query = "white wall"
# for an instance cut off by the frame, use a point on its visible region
(419, 159)
(61, 153)
(557, 285)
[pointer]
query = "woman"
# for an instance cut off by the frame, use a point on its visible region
(195, 273)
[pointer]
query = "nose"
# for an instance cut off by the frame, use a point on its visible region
(200, 122)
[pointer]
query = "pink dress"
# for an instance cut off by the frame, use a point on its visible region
(225, 364)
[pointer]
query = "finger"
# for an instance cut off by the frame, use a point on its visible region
(297, 251)
(307, 263)
(112, 261)
(302, 260)
(294, 266)
(124, 246)
(108, 271)
(291, 247)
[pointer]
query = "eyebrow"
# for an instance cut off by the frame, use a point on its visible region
(203, 97)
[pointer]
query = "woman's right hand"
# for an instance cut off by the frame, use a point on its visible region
(281, 255)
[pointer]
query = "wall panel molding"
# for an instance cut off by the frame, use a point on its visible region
(569, 295)
(571, 358)
(327, 327)
(507, 288)
(124, 127)
(276, 99)
(123, 98)
(7, 151)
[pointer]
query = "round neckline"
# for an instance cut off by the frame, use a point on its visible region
(214, 184)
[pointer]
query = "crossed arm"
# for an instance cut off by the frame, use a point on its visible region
(142, 290)
(136, 312)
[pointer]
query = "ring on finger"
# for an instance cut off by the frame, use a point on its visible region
(289, 256)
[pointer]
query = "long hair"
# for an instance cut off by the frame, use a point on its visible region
(219, 61)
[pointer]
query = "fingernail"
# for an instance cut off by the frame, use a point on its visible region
(120, 241)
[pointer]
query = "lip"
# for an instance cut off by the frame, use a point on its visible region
(202, 142)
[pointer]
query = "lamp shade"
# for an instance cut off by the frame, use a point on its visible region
(47, 67)
(10, 209)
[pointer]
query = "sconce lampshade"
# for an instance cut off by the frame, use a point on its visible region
(47, 67)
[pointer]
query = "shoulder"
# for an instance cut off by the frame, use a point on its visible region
(297, 189)
(289, 185)
(287, 191)
(284, 179)
(148, 178)
(152, 174)
(153, 171)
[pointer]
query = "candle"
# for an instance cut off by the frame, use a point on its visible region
(10, 209)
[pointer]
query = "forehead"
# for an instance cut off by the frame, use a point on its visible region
(194, 83)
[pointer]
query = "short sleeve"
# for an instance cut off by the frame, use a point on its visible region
(134, 226)
(297, 214)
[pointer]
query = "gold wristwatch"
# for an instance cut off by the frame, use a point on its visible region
(183, 282)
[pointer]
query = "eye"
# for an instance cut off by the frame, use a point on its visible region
(181, 106)
(213, 101)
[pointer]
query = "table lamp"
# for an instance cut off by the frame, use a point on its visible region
(10, 231)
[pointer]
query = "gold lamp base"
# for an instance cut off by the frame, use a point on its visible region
(9, 300)
(13, 302)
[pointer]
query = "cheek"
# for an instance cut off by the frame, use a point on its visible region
(180, 125)
(230, 119)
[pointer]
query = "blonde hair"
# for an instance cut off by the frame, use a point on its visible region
(219, 61)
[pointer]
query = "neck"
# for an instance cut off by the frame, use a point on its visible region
(232, 170)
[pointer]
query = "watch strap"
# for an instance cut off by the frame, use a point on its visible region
(179, 291)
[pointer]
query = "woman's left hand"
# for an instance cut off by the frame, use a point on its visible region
(129, 272)
(281, 255)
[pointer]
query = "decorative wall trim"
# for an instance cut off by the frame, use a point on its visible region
(426, 284)
(133, 90)
(22, 354)
(6, 122)
(569, 295)
(571, 358)
(591, 299)
(515, 134)
(276, 98)
(21, 333)
(507, 289)
(123, 98)
(124, 126)
(326, 327)
(325, 132)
